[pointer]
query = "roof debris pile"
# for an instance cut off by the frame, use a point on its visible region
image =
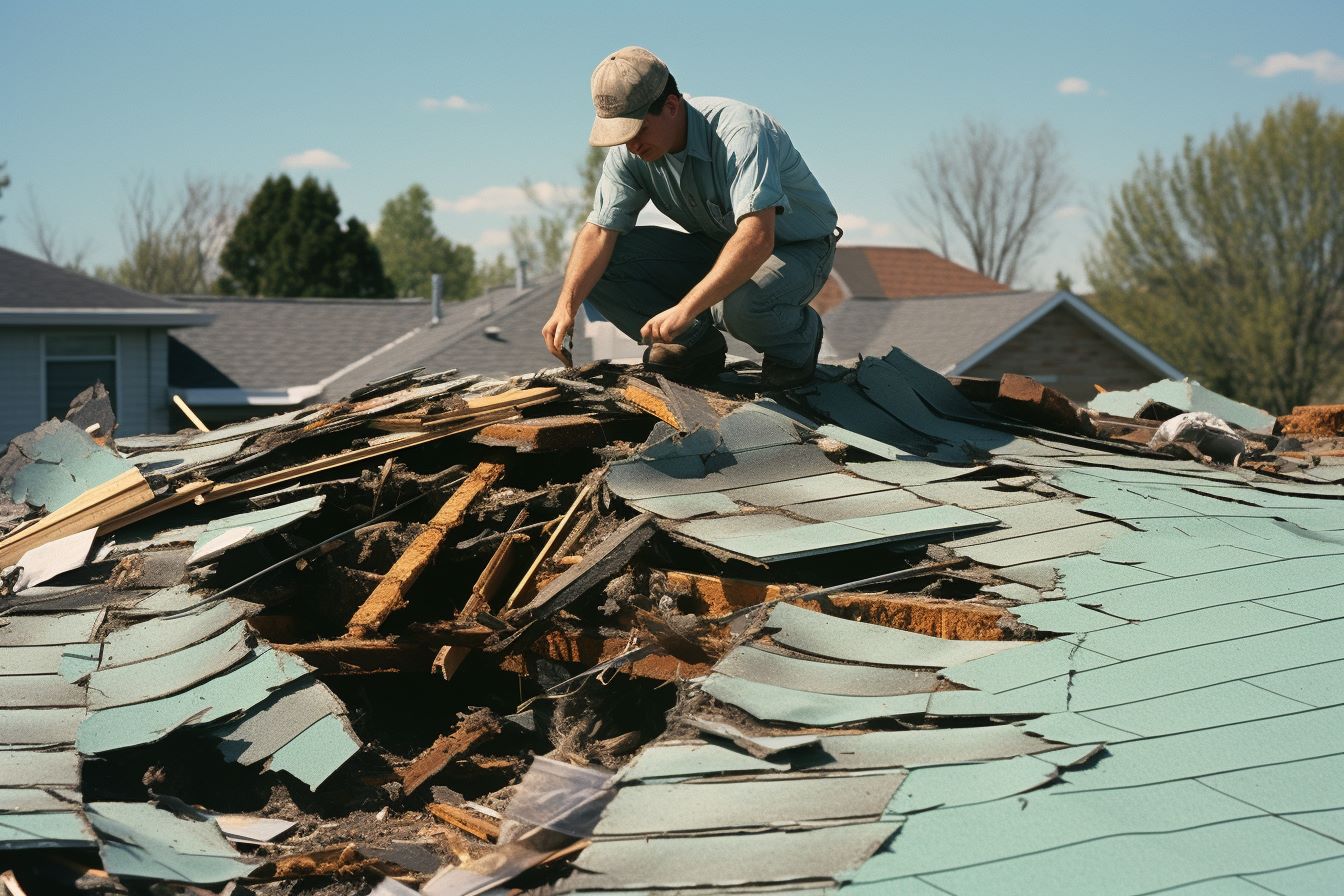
(887, 630)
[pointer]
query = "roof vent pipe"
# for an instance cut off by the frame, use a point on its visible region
(435, 299)
(522, 274)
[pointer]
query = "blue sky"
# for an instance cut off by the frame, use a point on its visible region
(95, 95)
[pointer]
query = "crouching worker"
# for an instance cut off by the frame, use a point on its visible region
(760, 237)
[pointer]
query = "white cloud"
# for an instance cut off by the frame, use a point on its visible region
(1323, 65)
(1067, 212)
(492, 241)
(1073, 85)
(506, 200)
(453, 102)
(314, 158)
(861, 227)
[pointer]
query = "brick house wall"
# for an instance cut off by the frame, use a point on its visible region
(1065, 351)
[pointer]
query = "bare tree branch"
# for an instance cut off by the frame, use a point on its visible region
(46, 238)
(989, 194)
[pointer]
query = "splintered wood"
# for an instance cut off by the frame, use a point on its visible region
(482, 598)
(390, 595)
(473, 823)
(99, 506)
(474, 730)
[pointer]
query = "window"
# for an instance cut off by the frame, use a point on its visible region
(74, 361)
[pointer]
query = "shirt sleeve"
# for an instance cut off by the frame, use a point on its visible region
(754, 163)
(619, 197)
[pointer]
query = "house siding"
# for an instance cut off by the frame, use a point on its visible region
(21, 376)
(1065, 351)
(142, 380)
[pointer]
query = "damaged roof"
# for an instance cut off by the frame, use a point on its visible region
(925, 638)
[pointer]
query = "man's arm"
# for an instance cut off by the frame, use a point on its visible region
(739, 259)
(588, 260)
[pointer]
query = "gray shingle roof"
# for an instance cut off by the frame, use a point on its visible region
(280, 343)
(938, 332)
(33, 291)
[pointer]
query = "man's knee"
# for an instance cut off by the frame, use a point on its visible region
(751, 312)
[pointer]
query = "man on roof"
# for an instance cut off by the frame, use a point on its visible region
(760, 237)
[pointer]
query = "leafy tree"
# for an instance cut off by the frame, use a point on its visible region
(491, 274)
(412, 249)
(1063, 282)
(989, 195)
(544, 242)
(4, 181)
(289, 242)
(1229, 257)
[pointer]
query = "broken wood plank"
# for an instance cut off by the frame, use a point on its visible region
(1027, 399)
(483, 594)
(526, 586)
(475, 824)
(718, 596)
(589, 648)
(514, 399)
(120, 495)
(938, 617)
(183, 495)
(651, 401)
(601, 564)
(345, 656)
(473, 730)
(189, 413)
(543, 434)
(506, 404)
(322, 464)
(390, 595)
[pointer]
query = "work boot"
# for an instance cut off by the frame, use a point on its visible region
(777, 376)
(701, 360)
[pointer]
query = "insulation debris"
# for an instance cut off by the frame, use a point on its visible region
(607, 633)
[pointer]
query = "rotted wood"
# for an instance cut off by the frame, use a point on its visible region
(390, 595)
(472, 731)
(483, 594)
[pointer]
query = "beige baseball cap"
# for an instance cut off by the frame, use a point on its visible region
(624, 85)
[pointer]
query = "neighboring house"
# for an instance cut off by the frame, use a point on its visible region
(1055, 337)
(60, 332)
(263, 356)
(959, 322)
(894, 272)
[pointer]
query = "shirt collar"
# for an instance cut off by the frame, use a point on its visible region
(697, 132)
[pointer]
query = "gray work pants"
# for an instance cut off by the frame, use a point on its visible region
(653, 268)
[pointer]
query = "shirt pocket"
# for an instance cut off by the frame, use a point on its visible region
(725, 219)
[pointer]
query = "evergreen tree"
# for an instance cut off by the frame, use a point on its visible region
(412, 249)
(289, 242)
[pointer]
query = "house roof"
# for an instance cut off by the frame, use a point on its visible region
(896, 272)
(951, 333)
(283, 351)
(35, 293)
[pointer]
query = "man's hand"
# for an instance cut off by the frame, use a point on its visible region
(557, 328)
(667, 325)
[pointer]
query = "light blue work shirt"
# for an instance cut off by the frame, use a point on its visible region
(737, 160)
